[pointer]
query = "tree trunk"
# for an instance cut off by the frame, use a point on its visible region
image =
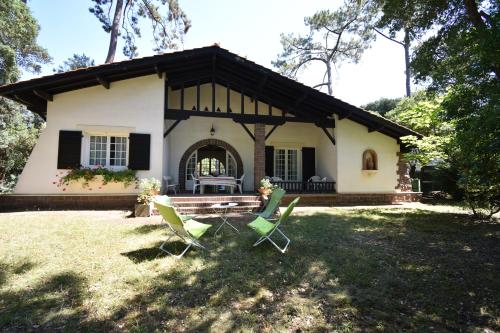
(407, 62)
(115, 31)
(329, 75)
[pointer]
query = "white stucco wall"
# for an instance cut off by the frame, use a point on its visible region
(134, 104)
(352, 140)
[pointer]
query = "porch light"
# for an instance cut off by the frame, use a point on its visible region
(212, 130)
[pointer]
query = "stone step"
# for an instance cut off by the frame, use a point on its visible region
(210, 203)
(216, 199)
(208, 210)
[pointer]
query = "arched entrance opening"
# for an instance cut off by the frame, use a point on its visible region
(209, 157)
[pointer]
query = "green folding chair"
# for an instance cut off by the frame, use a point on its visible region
(167, 201)
(266, 229)
(273, 204)
(190, 231)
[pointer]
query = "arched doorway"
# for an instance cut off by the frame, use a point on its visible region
(209, 157)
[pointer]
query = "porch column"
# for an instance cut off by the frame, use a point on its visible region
(259, 154)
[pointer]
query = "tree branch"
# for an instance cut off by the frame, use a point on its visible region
(389, 38)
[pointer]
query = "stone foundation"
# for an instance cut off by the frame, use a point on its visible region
(189, 204)
(66, 202)
(353, 199)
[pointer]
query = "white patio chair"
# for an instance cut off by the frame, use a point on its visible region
(196, 183)
(168, 186)
(314, 179)
(276, 179)
(239, 183)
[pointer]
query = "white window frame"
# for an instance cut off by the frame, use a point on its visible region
(85, 154)
(299, 162)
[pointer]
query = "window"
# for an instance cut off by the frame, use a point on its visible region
(231, 165)
(191, 167)
(286, 164)
(107, 151)
(211, 166)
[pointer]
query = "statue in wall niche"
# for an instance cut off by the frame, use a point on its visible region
(369, 160)
(369, 163)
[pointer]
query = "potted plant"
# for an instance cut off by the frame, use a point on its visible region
(149, 189)
(266, 188)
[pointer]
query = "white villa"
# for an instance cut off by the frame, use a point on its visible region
(207, 111)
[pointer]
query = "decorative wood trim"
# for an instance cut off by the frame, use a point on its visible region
(332, 139)
(171, 128)
(271, 131)
(345, 115)
(158, 72)
(198, 94)
(375, 128)
(42, 94)
(103, 82)
(248, 131)
(240, 118)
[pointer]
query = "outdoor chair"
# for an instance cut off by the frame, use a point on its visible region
(196, 183)
(168, 186)
(266, 229)
(314, 179)
(239, 183)
(273, 204)
(189, 231)
(167, 201)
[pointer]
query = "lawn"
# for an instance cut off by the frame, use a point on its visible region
(365, 270)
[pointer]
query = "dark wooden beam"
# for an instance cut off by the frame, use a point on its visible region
(271, 131)
(345, 115)
(332, 139)
(270, 109)
(165, 99)
(242, 111)
(158, 72)
(198, 95)
(42, 94)
(171, 128)
(102, 81)
(256, 101)
(182, 97)
(300, 99)
(262, 83)
(237, 117)
(248, 131)
(23, 100)
(374, 128)
(228, 98)
(213, 95)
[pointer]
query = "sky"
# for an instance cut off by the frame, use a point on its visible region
(248, 28)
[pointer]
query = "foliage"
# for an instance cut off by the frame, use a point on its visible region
(149, 188)
(459, 54)
(382, 105)
(19, 130)
(168, 23)
(265, 184)
(75, 62)
(18, 46)
(334, 37)
(424, 114)
(86, 175)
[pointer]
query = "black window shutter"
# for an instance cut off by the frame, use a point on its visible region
(139, 151)
(308, 163)
(270, 161)
(69, 149)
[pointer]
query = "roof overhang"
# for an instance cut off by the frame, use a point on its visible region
(213, 63)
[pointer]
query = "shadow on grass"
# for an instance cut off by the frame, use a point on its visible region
(147, 228)
(365, 270)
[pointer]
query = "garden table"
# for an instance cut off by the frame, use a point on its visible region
(223, 209)
(217, 181)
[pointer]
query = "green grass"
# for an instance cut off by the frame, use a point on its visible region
(373, 270)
